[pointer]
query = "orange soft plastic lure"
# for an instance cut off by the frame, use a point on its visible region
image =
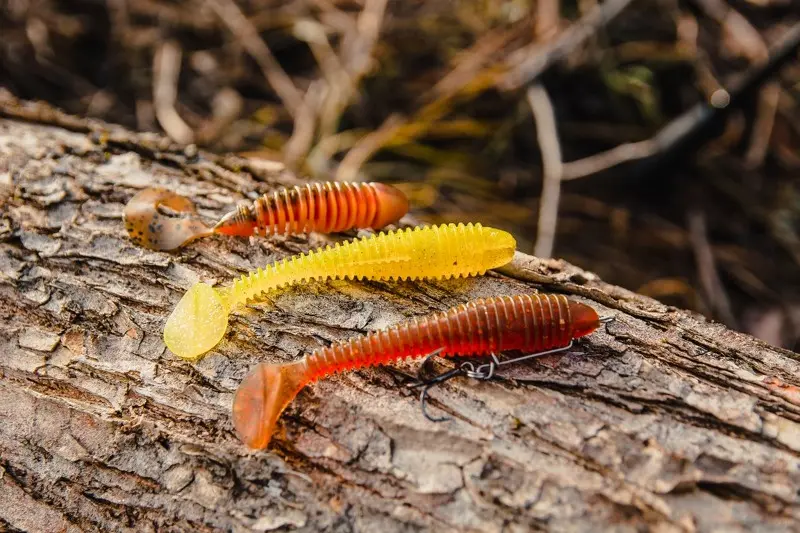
(329, 207)
(163, 220)
(532, 323)
(200, 319)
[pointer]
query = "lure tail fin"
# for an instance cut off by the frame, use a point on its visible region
(160, 219)
(197, 323)
(262, 397)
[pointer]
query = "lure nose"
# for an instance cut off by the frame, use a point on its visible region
(501, 251)
(262, 397)
(393, 205)
(584, 319)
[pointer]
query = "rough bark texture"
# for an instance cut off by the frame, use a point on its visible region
(662, 422)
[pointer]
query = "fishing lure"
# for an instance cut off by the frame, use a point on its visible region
(329, 207)
(200, 319)
(533, 323)
(163, 220)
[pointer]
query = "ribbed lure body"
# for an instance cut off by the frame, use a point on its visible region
(531, 323)
(326, 207)
(199, 321)
(444, 251)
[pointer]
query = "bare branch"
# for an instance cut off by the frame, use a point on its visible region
(547, 135)
(707, 268)
(358, 45)
(304, 127)
(611, 158)
(166, 70)
(743, 39)
(527, 63)
(230, 14)
(366, 147)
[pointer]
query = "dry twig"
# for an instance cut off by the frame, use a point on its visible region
(366, 147)
(230, 14)
(547, 135)
(707, 268)
(690, 130)
(302, 137)
(526, 64)
(742, 39)
(359, 43)
(608, 159)
(166, 70)
(342, 73)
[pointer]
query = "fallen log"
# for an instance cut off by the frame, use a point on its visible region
(662, 421)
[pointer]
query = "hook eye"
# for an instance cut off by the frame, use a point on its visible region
(484, 371)
(162, 220)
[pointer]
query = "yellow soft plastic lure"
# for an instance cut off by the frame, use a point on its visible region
(200, 319)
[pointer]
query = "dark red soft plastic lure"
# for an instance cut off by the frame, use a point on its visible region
(532, 323)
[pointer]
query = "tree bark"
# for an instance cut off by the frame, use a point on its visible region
(663, 421)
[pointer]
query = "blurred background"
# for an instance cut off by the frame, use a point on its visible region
(654, 142)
